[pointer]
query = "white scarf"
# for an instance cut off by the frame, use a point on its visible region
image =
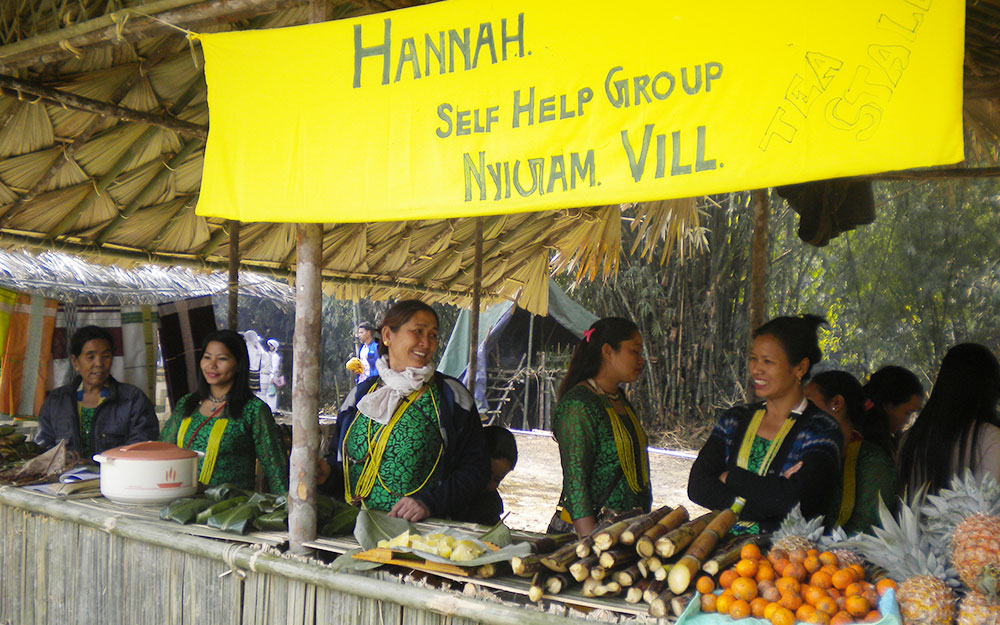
(381, 403)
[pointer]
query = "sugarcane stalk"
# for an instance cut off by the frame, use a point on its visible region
(660, 605)
(629, 576)
(537, 587)
(557, 582)
(679, 603)
(643, 567)
(487, 570)
(725, 559)
(663, 572)
(589, 585)
(598, 572)
(645, 545)
(683, 572)
(634, 592)
(639, 526)
(618, 557)
(655, 588)
(608, 537)
(653, 564)
(526, 566)
(560, 559)
(607, 590)
(548, 544)
(676, 540)
(580, 570)
(584, 545)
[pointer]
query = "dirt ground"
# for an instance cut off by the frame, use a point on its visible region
(531, 491)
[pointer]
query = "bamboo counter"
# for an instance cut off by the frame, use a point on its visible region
(64, 558)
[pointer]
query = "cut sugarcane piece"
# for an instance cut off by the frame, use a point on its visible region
(526, 566)
(629, 576)
(607, 590)
(583, 547)
(677, 540)
(683, 572)
(727, 558)
(589, 585)
(660, 605)
(557, 582)
(679, 603)
(618, 557)
(559, 560)
(598, 572)
(537, 587)
(580, 570)
(645, 545)
(638, 526)
(548, 544)
(634, 592)
(663, 572)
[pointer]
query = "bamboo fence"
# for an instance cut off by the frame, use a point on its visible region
(68, 562)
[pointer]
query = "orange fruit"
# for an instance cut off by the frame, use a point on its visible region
(819, 618)
(857, 606)
(797, 555)
(726, 578)
(783, 616)
(776, 554)
(829, 568)
(804, 612)
(884, 585)
(795, 570)
(744, 588)
(834, 593)
(854, 589)
(812, 552)
(811, 564)
(757, 607)
(708, 602)
(812, 594)
(764, 572)
(828, 558)
(724, 602)
(821, 579)
(771, 593)
(859, 571)
(739, 609)
(770, 608)
(827, 605)
(872, 617)
(787, 585)
(843, 578)
(746, 568)
(705, 585)
(791, 601)
(779, 565)
(750, 551)
(841, 618)
(871, 596)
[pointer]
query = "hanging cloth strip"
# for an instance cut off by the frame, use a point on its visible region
(376, 450)
(743, 457)
(630, 441)
(214, 440)
(850, 473)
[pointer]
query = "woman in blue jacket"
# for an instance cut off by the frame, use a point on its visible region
(95, 412)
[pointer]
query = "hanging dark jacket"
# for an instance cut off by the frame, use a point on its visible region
(125, 416)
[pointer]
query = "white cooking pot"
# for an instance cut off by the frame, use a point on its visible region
(150, 472)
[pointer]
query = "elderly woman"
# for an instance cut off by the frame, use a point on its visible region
(95, 412)
(409, 440)
(225, 420)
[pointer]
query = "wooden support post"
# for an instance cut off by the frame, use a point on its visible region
(758, 262)
(305, 388)
(234, 274)
(477, 286)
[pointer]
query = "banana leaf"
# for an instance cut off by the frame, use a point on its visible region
(184, 510)
(218, 508)
(235, 519)
(223, 492)
(274, 521)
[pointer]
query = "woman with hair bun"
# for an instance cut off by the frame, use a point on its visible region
(602, 446)
(776, 452)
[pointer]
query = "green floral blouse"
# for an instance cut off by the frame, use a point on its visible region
(589, 456)
(410, 462)
(251, 436)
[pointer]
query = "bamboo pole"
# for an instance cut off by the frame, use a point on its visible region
(233, 284)
(305, 389)
(102, 108)
(477, 285)
(758, 262)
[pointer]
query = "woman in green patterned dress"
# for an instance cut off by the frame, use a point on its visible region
(602, 445)
(408, 441)
(224, 419)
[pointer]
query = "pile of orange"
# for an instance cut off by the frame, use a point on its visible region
(789, 587)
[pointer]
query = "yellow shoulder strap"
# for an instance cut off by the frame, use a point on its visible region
(212, 450)
(850, 476)
(185, 422)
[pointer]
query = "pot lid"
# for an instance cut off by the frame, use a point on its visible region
(149, 450)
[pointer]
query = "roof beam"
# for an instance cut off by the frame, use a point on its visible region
(103, 108)
(131, 23)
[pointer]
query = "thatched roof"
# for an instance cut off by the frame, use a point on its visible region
(103, 120)
(66, 277)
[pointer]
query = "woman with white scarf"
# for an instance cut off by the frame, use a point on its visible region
(409, 441)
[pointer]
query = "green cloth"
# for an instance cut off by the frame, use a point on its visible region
(874, 476)
(249, 437)
(589, 456)
(86, 429)
(410, 462)
(758, 451)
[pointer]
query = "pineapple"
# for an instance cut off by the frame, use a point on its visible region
(916, 558)
(975, 609)
(967, 516)
(834, 543)
(796, 532)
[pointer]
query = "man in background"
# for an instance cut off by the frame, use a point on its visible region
(368, 352)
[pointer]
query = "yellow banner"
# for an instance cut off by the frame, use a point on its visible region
(466, 107)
